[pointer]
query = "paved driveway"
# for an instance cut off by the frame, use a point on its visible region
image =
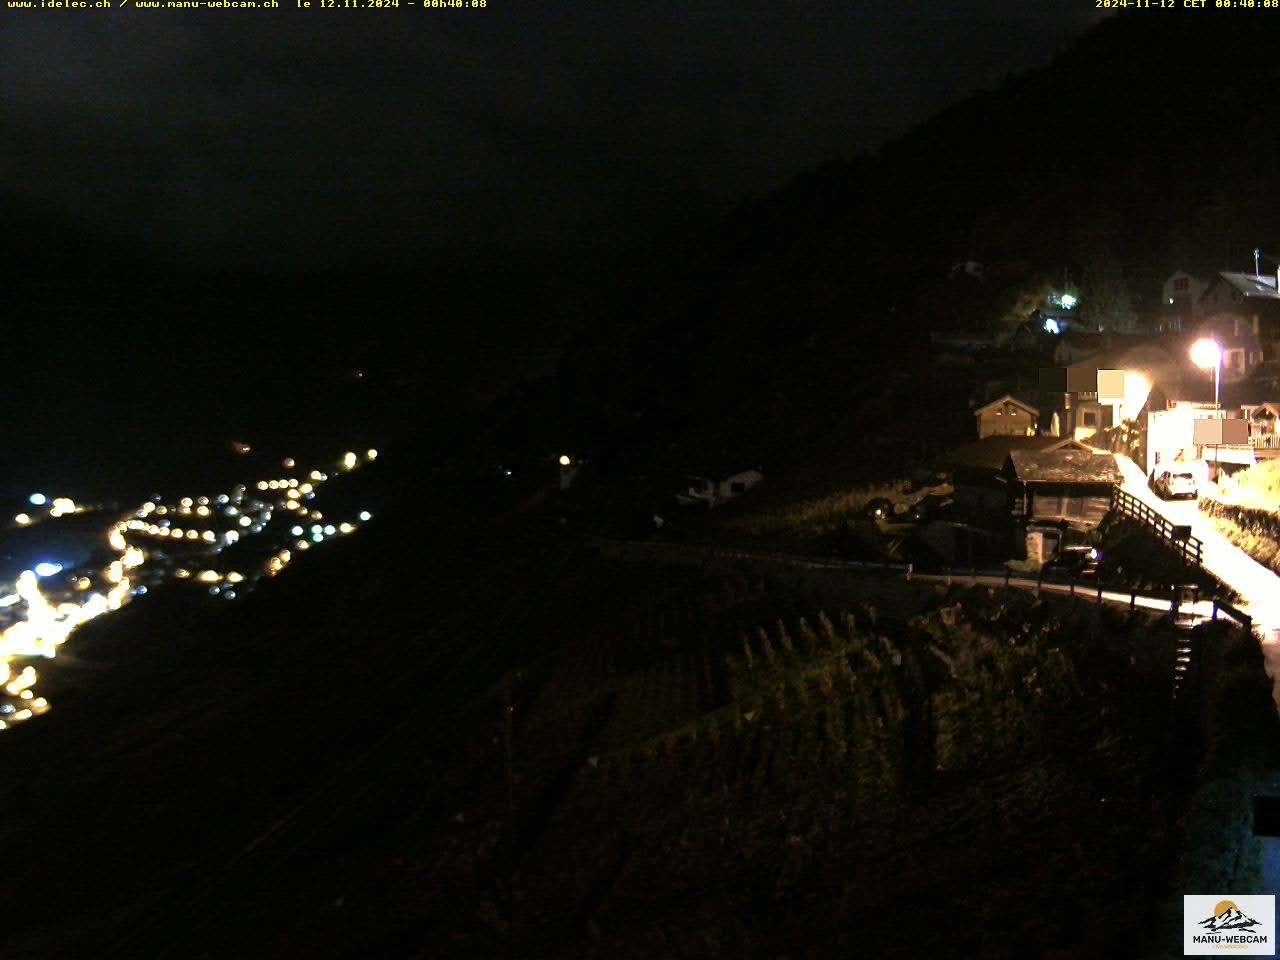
(1258, 587)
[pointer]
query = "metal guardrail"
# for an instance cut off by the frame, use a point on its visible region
(1130, 506)
(1182, 605)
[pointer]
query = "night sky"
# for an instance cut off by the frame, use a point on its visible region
(563, 135)
(557, 148)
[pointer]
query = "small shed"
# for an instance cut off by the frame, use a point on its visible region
(976, 469)
(1077, 486)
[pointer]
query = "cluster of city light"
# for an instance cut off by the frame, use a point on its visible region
(213, 524)
(45, 625)
(143, 545)
(50, 507)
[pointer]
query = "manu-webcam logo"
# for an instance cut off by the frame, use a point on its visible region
(1229, 925)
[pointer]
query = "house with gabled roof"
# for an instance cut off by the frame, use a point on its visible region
(976, 469)
(1006, 416)
(1068, 485)
(1242, 312)
(1180, 301)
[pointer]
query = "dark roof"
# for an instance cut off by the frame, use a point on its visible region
(1064, 466)
(990, 453)
(1010, 398)
(1085, 339)
(1193, 388)
(1198, 388)
(1251, 286)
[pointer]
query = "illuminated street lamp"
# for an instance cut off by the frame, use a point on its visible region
(1206, 354)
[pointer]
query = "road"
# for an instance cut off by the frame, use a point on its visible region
(1258, 587)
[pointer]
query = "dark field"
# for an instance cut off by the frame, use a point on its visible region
(701, 763)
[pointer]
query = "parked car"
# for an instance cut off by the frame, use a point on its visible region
(1077, 560)
(1175, 483)
(878, 508)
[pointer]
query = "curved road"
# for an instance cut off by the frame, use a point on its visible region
(1259, 587)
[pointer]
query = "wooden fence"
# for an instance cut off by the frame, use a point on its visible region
(1179, 538)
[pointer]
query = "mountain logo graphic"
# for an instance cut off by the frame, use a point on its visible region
(1228, 917)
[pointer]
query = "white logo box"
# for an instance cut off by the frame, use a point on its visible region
(1230, 932)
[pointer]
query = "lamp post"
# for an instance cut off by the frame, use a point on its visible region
(1206, 353)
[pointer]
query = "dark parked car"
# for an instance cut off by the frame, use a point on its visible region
(1078, 560)
(878, 508)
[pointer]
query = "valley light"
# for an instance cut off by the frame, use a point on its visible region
(47, 569)
(365, 515)
(22, 519)
(1051, 326)
(1068, 301)
(37, 499)
(565, 460)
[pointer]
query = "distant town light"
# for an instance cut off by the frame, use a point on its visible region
(1051, 326)
(46, 568)
(1069, 301)
(22, 519)
(365, 515)
(565, 460)
(37, 499)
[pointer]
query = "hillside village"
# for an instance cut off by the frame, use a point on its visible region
(1055, 392)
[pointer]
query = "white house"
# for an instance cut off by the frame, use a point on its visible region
(1180, 301)
(705, 490)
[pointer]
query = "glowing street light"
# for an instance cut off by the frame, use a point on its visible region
(1206, 354)
(565, 460)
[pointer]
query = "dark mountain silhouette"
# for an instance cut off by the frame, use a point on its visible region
(1147, 144)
